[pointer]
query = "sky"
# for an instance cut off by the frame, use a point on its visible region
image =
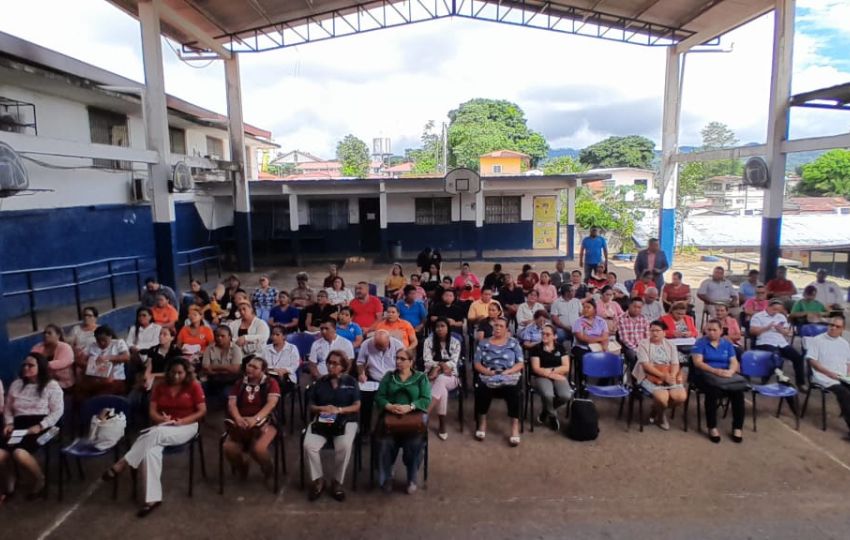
(574, 90)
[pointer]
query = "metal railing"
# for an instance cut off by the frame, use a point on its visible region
(75, 282)
(202, 256)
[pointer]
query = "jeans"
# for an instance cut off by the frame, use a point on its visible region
(388, 447)
(549, 389)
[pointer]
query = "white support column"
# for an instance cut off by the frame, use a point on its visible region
(156, 137)
(241, 195)
(479, 221)
(669, 146)
(777, 133)
(293, 212)
(571, 220)
(382, 220)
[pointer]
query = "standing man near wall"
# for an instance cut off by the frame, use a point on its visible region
(652, 258)
(594, 250)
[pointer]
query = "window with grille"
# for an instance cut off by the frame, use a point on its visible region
(502, 209)
(215, 148)
(329, 214)
(434, 211)
(107, 127)
(497, 169)
(177, 140)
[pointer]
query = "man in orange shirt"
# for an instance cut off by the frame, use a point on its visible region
(164, 313)
(398, 328)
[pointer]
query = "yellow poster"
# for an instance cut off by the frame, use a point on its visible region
(545, 222)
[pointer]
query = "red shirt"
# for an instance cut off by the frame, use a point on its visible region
(181, 405)
(780, 287)
(252, 401)
(366, 313)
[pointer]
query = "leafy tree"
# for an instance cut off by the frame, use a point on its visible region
(717, 135)
(428, 159)
(630, 151)
(563, 165)
(610, 211)
(482, 125)
(829, 174)
(353, 155)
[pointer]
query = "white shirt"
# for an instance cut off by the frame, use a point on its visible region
(255, 339)
(525, 315)
(321, 347)
(287, 358)
(568, 311)
(146, 338)
(828, 293)
(106, 370)
(653, 311)
(378, 362)
(763, 319)
(832, 353)
(337, 298)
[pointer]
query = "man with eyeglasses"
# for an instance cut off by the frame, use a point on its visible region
(328, 341)
(829, 356)
(772, 331)
(153, 288)
(374, 360)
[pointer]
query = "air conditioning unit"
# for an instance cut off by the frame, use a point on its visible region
(141, 191)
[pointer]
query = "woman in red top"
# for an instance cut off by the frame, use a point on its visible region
(640, 286)
(527, 279)
(679, 324)
(251, 428)
(196, 332)
(675, 291)
(176, 405)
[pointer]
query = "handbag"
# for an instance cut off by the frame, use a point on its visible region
(655, 379)
(107, 429)
(405, 424)
(735, 383)
(328, 425)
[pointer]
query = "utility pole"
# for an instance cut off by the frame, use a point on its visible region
(445, 138)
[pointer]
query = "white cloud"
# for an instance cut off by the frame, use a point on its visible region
(576, 90)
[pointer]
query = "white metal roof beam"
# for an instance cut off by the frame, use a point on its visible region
(724, 21)
(173, 18)
(788, 147)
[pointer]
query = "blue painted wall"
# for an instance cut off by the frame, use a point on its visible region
(448, 237)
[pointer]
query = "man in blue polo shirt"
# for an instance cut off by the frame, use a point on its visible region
(594, 250)
(412, 310)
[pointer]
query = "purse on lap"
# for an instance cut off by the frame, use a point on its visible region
(405, 424)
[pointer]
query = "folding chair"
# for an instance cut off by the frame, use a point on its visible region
(374, 456)
(279, 458)
(824, 390)
(190, 445)
(760, 364)
(605, 365)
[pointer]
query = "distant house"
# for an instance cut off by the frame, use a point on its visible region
(816, 205)
(399, 170)
(294, 157)
(627, 177)
(504, 162)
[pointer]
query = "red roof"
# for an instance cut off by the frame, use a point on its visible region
(817, 204)
(401, 168)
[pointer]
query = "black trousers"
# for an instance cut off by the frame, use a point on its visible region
(712, 397)
(789, 353)
(484, 396)
(842, 394)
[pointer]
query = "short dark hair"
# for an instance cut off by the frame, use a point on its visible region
(659, 324)
(753, 273)
(574, 272)
(840, 316)
(104, 331)
(541, 313)
(565, 288)
(92, 309)
(347, 310)
(497, 267)
(409, 288)
(810, 289)
(651, 240)
(224, 328)
(149, 280)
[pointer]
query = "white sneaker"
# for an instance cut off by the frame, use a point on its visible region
(411, 488)
(781, 377)
(443, 436)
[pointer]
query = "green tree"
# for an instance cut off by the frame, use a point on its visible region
(353, 156)
(630, 151)
(715, 136)
(482, 125)
(609, 210)
(427, 160)
(563, 165)
(829, 174)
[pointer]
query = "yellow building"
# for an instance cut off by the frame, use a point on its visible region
(503, 162)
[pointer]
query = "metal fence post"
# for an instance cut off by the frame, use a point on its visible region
(77, 293)
(111, 284)
(138, 279)
(31, 295)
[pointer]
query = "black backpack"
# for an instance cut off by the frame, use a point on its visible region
(584, 421)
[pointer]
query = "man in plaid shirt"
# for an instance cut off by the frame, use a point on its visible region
(632, 328)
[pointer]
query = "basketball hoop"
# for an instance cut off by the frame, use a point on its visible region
(462, 180)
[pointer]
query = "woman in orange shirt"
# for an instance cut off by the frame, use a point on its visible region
(195, 333)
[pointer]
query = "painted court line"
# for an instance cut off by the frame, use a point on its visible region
(65, 515)
(813, 444)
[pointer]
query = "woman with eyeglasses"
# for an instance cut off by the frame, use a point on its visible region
(82, 335)
(550, 366)
(60, 356)
(441, 354)
(401, 392)
(176, 406)
(33, 403)
(498, 364)
(335, 407)
(104, 369)
(658, 372)
(679, 324)
(251, 333)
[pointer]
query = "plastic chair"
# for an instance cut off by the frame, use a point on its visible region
(605, 365)
(279, 457)
(81, 448)
(824, 390)
(374, 456)
(196, 441)
(760, 364)
(303, 342)
(373, 289)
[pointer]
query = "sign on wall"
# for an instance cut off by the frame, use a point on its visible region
(545, 222)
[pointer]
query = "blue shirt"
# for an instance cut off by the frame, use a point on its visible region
(414, 314)
(278, 315)
(748, 290)
(349, 332)
(593, 249)
(716, 357)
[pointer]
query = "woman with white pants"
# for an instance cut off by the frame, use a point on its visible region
(441, 354)
(176, 406)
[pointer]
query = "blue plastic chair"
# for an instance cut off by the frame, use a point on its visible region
(303, 342)
(605, 365)
(760, 364)
(81, 448)
(810, 330)
(373, 289)
(629, 285)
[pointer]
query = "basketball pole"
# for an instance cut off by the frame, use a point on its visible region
(460, 233)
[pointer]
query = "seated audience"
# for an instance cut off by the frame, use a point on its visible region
(195, 337)
(282, 360)
(152, 289)
(228, 298)
(82, 335)
(599, 277)
(829, 356)
(432, 278)
(157, 358)
(632, 329)
(264, 298)
(416, 283)
(412, 309)
(646, 281)
(375, 359)
(828, 292)
(714, 362)
(580, 289)
(747, 289)
(402, 391)
(466, 284)
(565, 311)
(60, 356)
(327, 342)
(781, 287)
(484, 329)
(808, 309)
(657, 371)
(511, 296)
(218, 311)
(222, 362)
(335, 404)
(145, 333)
(251, 424)
(348, 329)
(772, 332)
(589, 331)
(164, 314)
(527, 279)
(525, 312)
(176, 405)
(441, 355)
(608, 308)
(756, 304)
(546, 292)
(367, 309)
(321, 311)
(621, 293)
(498, 365)
(560, 276)
(104, 370)
(676, 291)
(717, 290)
(730, 329)
(550, 367)
(394, 283)
(679, 323)
(33, 403)
(398, 328)
(448, 309)
(302, 295)
(333, 273)
(495, 280)
(338, 295)
(284, 313)
(446, 285)
(533, 333)
(652, 307)
(250, 331)
(479, 308)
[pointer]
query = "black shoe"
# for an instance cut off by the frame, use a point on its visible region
(541, 418)
(714, 438)
(147, 509)
(316, 490)
(337, 492)
(736, 438)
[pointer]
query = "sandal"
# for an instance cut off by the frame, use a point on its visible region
(479, 435)
(442, 435)
(515, 440)
(147, 509)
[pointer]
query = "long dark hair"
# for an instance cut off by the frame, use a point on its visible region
(435, 340)
(139, 311)
(187, 367)
(43, 376)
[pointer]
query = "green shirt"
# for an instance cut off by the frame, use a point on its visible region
(805, 306)
(415, 390)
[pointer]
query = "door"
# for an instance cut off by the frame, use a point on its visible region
(370, 225)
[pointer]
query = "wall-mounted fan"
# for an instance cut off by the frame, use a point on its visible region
(13, 175)
(181, 177)
(756, 173)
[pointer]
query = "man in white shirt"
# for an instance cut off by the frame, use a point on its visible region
(653, 309)
(375, 359)
(565, 311)
(717, 290)
(829, 356)
(327, 342)
(829, 293)
(772, 331)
